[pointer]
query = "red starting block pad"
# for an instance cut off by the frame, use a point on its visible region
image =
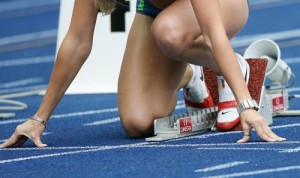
(256, 80)
(255, 86)
(204, 120)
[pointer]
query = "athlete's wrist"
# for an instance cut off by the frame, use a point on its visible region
(40, 120)
(247, 104)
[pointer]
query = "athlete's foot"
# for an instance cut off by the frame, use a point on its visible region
(196, 93)
(228, 116)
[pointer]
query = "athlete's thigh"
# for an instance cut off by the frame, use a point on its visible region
(148, 80)
(180, 16)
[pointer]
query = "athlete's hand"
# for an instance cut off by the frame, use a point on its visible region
(29, 129)
(250, 118)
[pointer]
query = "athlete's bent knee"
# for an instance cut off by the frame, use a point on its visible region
(172, 41)
(137, 126)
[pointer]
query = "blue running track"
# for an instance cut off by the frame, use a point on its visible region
(85, 138)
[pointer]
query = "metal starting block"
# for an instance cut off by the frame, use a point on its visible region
(204, 120)
(272, 102)
(200, 121)
(279, 101)
(183, 125)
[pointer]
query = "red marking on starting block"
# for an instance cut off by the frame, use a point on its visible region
(185, 125)
(278, 104)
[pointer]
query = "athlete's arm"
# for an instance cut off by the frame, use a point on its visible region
(209, 17)
(73, 52)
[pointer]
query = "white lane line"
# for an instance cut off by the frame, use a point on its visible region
(50, 148)
(248, 149)
(101, 148)
(204, 136)
(28, 37)
(59, 116)
(22, 89)
(208, 148)
(292, 60)
(257, 2)
(26, 61)
(116, 119)
(241, 41)
(45, 133)
(159, 145)
(257, 172)
(246, 144)
(27, 45)
(18, 83)
(249, 143)
(294, 89)
(222, 166)
(92, 149)
(17, 4)
(289, 43)
(270, 3)
(294, 150)
(285, 126)
(101, 122)
(180, 106)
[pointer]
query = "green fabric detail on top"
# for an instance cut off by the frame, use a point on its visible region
(141, 5)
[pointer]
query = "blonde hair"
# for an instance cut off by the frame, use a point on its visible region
(105, 6)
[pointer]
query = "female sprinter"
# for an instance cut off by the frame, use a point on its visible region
(73, 53)
(149, 81)
(193, 31)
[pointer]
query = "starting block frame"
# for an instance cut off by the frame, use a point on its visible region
(183, 125)
(204, 120)
(272, 102)
(279, 101)
(199, 121)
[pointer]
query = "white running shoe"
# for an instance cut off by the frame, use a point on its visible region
(196, 93)
(228, 116)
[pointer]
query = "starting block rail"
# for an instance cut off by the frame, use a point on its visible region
(183, 125)
(199, 121)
